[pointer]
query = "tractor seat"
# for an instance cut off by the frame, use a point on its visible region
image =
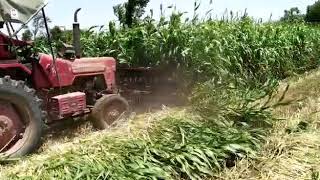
(67, 52)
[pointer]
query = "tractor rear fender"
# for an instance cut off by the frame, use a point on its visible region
(15, 70)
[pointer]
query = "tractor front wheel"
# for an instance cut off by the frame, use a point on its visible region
(21, 123)
(108, 110)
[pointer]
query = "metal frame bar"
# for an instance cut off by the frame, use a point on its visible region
(13, 47)
(25, 24)
(48, 32)
(13, 30)
(50, 44)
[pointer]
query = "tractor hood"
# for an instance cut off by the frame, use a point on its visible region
(19, 11)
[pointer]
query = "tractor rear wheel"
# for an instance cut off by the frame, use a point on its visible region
(21, 124)
(108, 110)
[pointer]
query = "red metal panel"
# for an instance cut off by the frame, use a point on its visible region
(4, 46)
(39, 77)
(68, 70)
(67, 104)
(14, 64)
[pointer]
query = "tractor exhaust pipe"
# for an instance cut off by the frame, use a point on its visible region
(76, 34)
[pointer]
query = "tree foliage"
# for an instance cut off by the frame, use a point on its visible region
(38, 24)
(27, 35)
(130, 12)
(57, 34)
(313, 12)
(293, 15)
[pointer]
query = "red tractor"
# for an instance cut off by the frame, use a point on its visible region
(38, 90)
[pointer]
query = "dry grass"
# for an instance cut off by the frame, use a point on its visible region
(293, 149)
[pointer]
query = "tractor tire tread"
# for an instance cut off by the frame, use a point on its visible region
(99, 107)
(26, 94)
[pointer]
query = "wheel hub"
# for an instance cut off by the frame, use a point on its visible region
(113, 113)
(7, 131)
(5, 125)
(10, 125)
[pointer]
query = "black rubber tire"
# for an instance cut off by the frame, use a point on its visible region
(29, 107)
(99, 111)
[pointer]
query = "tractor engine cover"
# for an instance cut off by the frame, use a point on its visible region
(67, 105)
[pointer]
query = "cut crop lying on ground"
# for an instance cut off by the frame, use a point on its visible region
(190, 146)
(292, 150)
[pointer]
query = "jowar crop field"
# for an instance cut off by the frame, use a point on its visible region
(241, 79)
